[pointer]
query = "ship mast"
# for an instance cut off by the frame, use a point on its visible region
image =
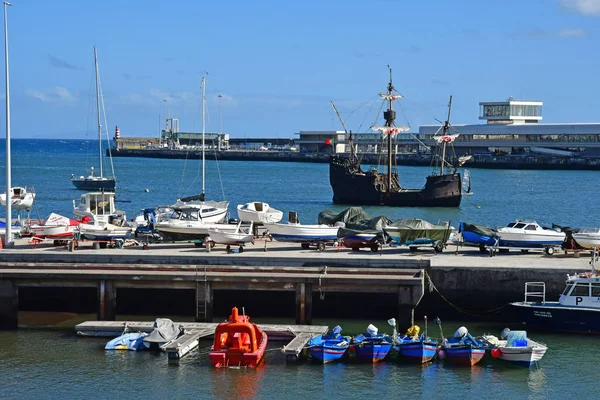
(446, 126)
(389, 115)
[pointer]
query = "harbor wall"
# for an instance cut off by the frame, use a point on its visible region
(479, 161)
(110, 283)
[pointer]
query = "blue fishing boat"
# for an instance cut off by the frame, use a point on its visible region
(462, 349)
(328, 348)
(128, 341)
(416, 348)
(372, 346)
(479, 235)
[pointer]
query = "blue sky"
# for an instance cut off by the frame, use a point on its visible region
(279, 64)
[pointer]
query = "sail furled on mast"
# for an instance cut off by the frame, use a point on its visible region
(391, 130)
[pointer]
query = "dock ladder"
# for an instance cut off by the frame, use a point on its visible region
(201, 291)
(535, 290)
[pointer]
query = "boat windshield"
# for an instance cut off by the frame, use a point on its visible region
(568, 288)
(581, 289)
(519, 226)
(511, 224)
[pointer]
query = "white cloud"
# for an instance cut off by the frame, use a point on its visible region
(585, 7)
(52, 95)
(575, 32)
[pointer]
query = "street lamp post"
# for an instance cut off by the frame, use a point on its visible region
(220, 122)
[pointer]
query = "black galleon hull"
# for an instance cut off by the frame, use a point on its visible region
(361, 189)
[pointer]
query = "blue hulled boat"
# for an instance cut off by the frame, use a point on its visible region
(372, 346)
(328, 348)
(462, 349)
(128, 341)
(416, 348)
(479, 235)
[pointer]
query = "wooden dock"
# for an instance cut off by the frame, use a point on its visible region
(194, 331)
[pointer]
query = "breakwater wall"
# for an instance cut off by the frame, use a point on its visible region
(478, 161)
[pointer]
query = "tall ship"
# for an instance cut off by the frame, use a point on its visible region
(351, 185)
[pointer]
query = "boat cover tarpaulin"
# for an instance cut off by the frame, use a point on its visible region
(481, 230)
(354, 218)
(412, 229)
(56, 220)
(164, 331)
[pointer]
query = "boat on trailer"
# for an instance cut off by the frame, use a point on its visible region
(241, 236)
(258, 212)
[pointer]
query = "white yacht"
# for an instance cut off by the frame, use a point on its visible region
(187, 223)
(528, 233)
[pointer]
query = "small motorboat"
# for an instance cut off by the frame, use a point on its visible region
(164, 332)
(258, 212)
(528, 234)
(128, 341)
(240, 237)
(20, 198)
(462, 348)
(304, 234)
(357, 240)
(55, 226)
(106, 232)
(372, 346)
(238, 343)
(416, 348)
(187, 223)
(328, 348)
(98, 208)
(479, 235)
(517, 348)
(588, 238)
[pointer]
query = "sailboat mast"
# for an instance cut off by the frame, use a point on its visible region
(446, 125)
(98, 110)
(8, 239)
(203, 106)
(389, 116)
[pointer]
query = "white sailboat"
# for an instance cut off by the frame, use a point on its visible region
(192, 216)
(96, 182)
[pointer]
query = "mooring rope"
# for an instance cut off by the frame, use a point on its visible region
(432, 287)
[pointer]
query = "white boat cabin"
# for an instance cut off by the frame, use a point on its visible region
(98, 208)
(581, 292)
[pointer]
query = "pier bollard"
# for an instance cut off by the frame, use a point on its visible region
(72, 246)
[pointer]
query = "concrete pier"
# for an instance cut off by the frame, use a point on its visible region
(469, 279)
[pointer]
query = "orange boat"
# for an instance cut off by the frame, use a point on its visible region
(238, 343)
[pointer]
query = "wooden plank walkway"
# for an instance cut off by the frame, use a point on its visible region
(293, 349)
(179, 347)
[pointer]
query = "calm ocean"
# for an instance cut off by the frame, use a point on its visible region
(54, 363)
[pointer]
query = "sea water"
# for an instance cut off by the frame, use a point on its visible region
(55, 363)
